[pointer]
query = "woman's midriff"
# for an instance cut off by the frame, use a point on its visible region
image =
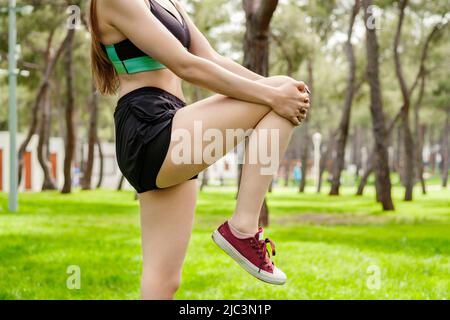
(164, 79)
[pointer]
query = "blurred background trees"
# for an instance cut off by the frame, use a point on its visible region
(380, 92)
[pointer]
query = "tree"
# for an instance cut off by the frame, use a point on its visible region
(420, 133)
(205, 179)
(445, 149)
(342, 132)
(44, 130)
(325, 151)
(408, 141)
(411, 157)
(120, 184)
(376, 107)
(370, 166)
(101, 161)
(52, 59)
(69, 114)
(43, 145)
(258, 15)
(305, 128)
(442, 101)
(92, 140)
(319, 13)
(295, 47)
(422, 77)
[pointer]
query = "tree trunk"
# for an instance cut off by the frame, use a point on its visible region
(356, 149)
(420, 131)
(120, 184)
(286, 55)
(432, 142)
(50, 66)
(49, 123)
(342, 132)
(69, 116)
(287, 172)
(365, 178)
(445, 150)
(258, 14)
(420, 166)
(305, 155)
(92, 139)
(57, 94)
(408, 168)
(205, 179)
(409, 158)
(324, 159)
(43, 145)
(264, 219)
(421, 77)
(321, 172)
(376, 107)
(101, 162)
(306, 133)
(370, 164)
(398, 153)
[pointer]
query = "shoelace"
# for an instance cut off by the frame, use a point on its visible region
(262, 251)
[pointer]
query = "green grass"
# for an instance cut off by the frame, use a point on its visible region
(324, 244)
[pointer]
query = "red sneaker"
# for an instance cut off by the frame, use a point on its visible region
(251, 254)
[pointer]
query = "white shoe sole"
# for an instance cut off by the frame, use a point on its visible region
(277, 278)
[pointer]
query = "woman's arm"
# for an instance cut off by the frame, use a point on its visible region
(236, 68)
(137, 23)
(201, 47)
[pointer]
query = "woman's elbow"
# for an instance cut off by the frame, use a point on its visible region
(188, 68)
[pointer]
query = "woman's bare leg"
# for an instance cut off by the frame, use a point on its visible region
(219, 113)
(166, 222)
(167, 214)
(255, 183)
(222, 113)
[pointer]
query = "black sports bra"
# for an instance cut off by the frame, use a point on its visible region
(129, 59)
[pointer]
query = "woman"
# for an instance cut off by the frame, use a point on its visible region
(143, 49)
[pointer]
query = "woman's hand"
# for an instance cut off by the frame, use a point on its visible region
(292, 101)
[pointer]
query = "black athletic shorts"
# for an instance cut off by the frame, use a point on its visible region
(143, 123)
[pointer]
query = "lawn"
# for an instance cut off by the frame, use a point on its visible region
(330, 247)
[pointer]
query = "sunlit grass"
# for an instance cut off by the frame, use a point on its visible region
(324, 244)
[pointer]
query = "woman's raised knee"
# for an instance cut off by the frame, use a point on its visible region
(276, 81)
(282, 123)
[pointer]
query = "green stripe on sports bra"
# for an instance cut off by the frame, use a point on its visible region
(133, 65)
(112, 54)
(141, 64)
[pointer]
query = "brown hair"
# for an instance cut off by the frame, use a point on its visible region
(103, 72)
